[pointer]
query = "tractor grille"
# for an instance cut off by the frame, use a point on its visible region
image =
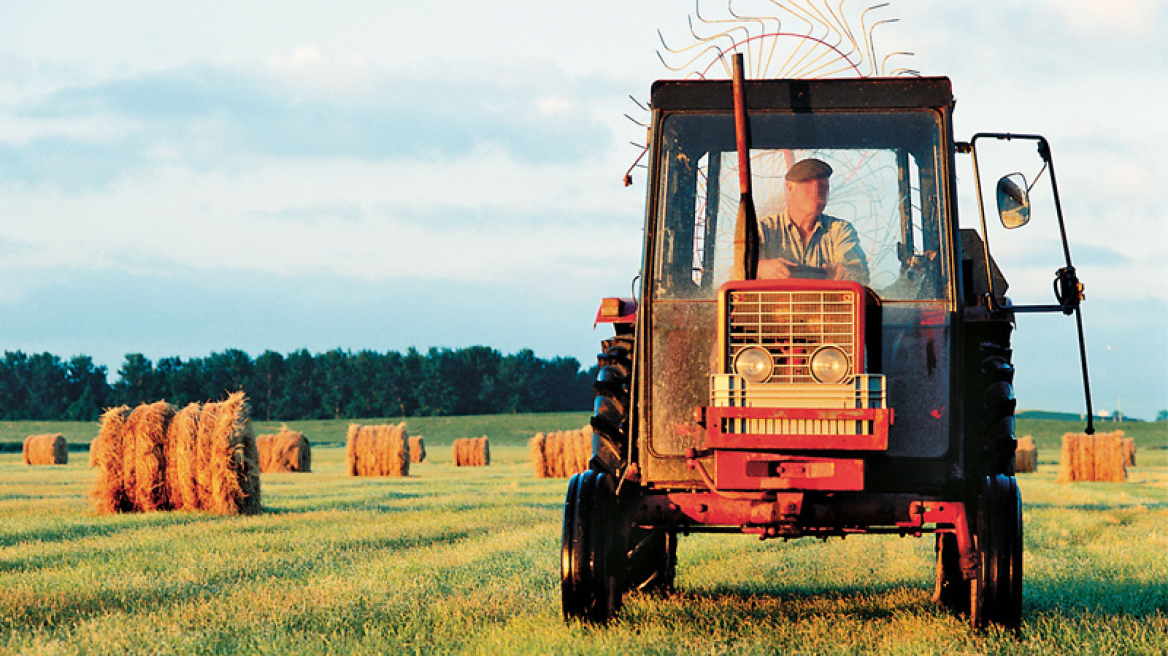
(791, 325)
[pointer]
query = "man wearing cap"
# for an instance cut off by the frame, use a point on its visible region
(803, 236)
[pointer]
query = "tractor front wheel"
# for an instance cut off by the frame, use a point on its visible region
(591, 584)
(996, 594)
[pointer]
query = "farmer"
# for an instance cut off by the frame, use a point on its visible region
(803, 236)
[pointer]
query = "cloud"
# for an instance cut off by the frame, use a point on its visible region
(1117, 18)
(207, 116)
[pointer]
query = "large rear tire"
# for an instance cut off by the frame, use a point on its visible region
(591, 585)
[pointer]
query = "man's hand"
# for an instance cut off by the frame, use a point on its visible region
(776, 269)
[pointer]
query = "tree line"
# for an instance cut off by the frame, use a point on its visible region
(335, 384)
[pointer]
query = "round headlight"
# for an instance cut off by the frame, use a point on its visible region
(829, 364)
(754, 364)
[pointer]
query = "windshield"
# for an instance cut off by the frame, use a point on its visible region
(883, 199)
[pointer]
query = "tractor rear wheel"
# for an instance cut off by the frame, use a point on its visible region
(591, 584)
(996, 594)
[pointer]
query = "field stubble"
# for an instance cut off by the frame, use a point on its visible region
(465, 560)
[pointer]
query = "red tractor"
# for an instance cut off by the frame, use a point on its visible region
(808, 405)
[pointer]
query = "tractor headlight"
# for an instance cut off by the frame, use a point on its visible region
(829, 364)
(753, 363)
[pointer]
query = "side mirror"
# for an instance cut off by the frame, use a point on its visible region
(1013, 201)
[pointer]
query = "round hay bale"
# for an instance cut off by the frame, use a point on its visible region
(145, 455)
(483, 451)
(182, 458)
(535, 450)
(472, 452)
(399, 451)
(204, 441)
(284, 452)
(381, 450)
(108, 493)
(417, 449)
(1025, 455)
(351, 449)
(583, 449)
(233, 461)
(47, 449)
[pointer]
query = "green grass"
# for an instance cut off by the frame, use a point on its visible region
(465, 560)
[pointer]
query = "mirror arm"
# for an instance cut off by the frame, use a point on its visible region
(1071, 291)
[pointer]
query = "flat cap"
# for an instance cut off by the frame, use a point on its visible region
(808, 169)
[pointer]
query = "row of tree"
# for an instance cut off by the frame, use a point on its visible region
(300, 385)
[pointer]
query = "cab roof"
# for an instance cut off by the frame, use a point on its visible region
(806, 95)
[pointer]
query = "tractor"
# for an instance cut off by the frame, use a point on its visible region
(809, 405)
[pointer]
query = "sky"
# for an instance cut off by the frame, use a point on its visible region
(186, 177)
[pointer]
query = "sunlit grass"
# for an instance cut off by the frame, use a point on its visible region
(465, 560)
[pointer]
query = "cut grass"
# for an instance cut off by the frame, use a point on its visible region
(465, 560)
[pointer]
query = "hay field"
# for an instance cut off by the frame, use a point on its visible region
(465, 560)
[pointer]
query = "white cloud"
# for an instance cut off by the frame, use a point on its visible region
(1113, 18)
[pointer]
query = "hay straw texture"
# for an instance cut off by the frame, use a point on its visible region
(1026, 455)
(535, 448)
(562, 453)
(1129, 451)
(198, 458)
(286, 451)
(144, 456)
(377, 450)
(417, 449)
(234, 460)
(48, 449)
(471, 452)
(182, 465)
(1098, 457)
(109, 495)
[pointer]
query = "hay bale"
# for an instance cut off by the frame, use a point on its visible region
(583, 449)
(1068, 459)
(351, 449)
(471, 452)
(381, 450)
(560, 454)
(93, 449)
(204, 446)
(233, 461)
(395, 450)
(1088, 458)
(1129, 451)
(535, 449)
(182, 458)
(417, 449)
(1026, 455)
(286, 451)
(144, 455)
(47, 449)
(554, 454)
(108, 492)
(484, 451)
(1109, 458)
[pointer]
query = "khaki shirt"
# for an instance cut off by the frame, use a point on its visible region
(833, 241)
